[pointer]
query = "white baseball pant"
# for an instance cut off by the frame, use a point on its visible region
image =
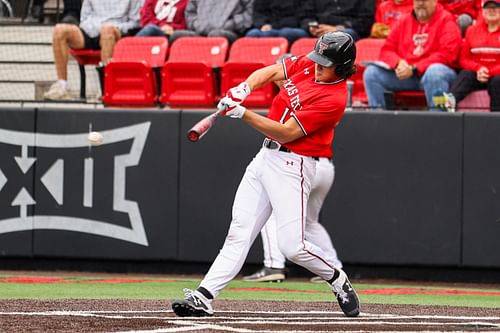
(277, 182)
(315, 232)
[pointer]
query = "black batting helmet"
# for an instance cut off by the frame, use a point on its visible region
(335, 49)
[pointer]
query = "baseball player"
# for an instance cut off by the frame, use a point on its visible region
(299, 131)
(274, 260)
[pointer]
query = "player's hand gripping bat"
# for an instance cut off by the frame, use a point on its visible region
(201, 128)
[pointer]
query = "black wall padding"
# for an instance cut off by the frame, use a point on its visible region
(17, 128)
(135, 184)
(481, 207)
(397, 194)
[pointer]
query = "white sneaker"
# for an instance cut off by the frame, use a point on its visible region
(57, 92)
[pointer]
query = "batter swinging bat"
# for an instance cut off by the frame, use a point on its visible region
(201, 128)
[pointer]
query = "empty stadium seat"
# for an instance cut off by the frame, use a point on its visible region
(85, 57)
(476, 101)
(367, 49)
(406, 99)
(191, 75)
(246, 55)
(302, 46)
(132, 76)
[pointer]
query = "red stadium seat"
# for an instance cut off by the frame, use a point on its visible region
(477, 101)
(190, 76)
(302, 46)
(85, 57)
(133, 73)
(248, 54)
(367, 49)
(407, 99)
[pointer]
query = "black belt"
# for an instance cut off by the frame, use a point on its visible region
(271, 144)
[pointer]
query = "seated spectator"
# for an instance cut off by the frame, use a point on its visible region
(277, 18)
(36, 11)
(71, 13)
(465, 11)
(162, 17)
(228, 18)
(418, 54)
(480, 57)
(103, 23)
(355, 17)
(387, 14)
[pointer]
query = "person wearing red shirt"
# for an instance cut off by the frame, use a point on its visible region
(299, 130)
(480, 57)
(418, 54)
(162, 17)
(465, 11)
(387, 14)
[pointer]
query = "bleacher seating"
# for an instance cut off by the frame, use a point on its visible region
(406, 99)
(246, 55)
(367, 49)
(477, 101)
(132, 77)
(85, 57)
(191, 75)
(302, 46)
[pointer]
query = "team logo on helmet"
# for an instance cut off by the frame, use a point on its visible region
(322, 47)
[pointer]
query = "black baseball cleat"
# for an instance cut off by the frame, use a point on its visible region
(194, 305)
(266, 274)
(346, 295)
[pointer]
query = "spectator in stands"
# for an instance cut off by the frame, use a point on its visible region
(417, 55)
(162, 17)
(355, 17)
(71, 13)
(277, 18)
(103, 23)
(36, 11)
(387, 14)
(465, 11)
(228, 18)
(480, 57)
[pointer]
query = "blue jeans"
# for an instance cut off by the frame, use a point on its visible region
(150, 30)
(436, 80)
(354, 34)
(292, 34)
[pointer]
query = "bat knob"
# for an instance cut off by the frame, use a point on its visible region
(193, 136)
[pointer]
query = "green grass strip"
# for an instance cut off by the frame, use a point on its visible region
(162, 288)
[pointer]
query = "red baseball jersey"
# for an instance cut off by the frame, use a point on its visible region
(317, 107)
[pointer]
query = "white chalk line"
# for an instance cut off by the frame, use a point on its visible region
(327, 315)
(204, 323)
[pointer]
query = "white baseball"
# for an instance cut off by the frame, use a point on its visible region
(95, 138)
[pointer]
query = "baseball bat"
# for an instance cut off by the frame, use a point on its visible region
(201, 127)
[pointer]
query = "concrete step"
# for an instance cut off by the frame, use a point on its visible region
(26, 34)
(26, 53)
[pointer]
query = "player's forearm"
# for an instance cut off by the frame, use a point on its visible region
(265, 75)
(282, 133)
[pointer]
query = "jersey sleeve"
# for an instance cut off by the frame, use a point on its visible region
(293, 64)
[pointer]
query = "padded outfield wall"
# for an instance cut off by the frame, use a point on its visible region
(411, 188)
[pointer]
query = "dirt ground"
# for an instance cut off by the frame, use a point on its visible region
(237, 316)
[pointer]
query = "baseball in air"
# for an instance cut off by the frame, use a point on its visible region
(95, 138)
